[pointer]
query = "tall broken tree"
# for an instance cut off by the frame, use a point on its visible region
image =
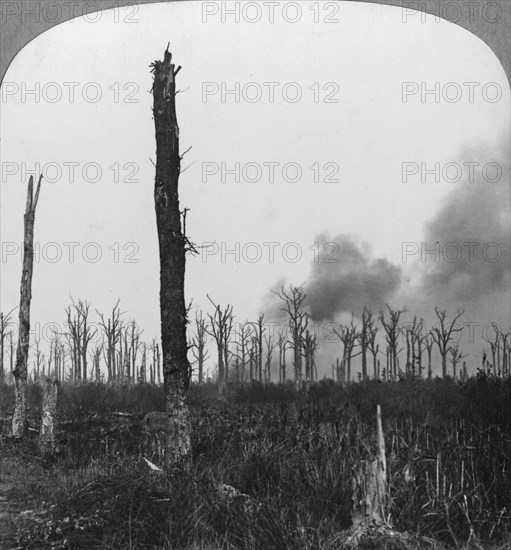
(173, 245)
(20, 370)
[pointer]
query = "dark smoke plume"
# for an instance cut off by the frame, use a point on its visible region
(355, 280)
(477, 212)
(343, 278)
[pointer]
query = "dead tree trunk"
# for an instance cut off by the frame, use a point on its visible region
(369, 484)
(5, 322)
(298, 322)
(112, 330)
(158, 363)
(198, 348)
(282, 356)
(221, 328)
(172, 245)
(47, 432)
(259, 333)
(20, 371)
(365, 338)
(143, 366)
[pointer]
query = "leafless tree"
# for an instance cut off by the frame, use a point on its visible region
(39, 359)
(79, 335)
(58, 354)
(456, 357)
(5, 324)
(391, 327)
(365, 337)
(270, 346)
(282, 344)
(504, 339)
(374, 348)
(243, 349)
(293, 300)
(349, 335)
(259, 331)
(414, 340)
(155, 361)
(51, 360)
(112, 334)
(95, 355)
(88, 333)
(252, 355)
(418, 342)
(20, 371)
(310, 346)
(199, 351)
(133, 334)
(143, 366)
(495, 348)
(443, 335)
(429, 342)
(74, 338)
(220, 329)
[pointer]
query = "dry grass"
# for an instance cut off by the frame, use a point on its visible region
(448, 450)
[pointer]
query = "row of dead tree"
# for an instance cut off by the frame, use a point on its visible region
(370, 479)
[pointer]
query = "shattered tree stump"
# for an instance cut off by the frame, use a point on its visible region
(372, 527)
(369, 485)
(47, 432)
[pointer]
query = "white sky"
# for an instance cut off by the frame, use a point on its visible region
(369, 133)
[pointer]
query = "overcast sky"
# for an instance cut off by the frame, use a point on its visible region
(351, 124)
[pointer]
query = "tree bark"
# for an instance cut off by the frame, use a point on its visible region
(20, 370)
(369, 484)
(47, 432)
(172, 246)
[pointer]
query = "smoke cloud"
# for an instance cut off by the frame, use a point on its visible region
(349, 279)
(343, 278)
(475, 212)
(472, 227)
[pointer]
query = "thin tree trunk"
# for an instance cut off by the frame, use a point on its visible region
(158, 362)
(407, 365)
(297, 361)
(172, 245)
(20, 371)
